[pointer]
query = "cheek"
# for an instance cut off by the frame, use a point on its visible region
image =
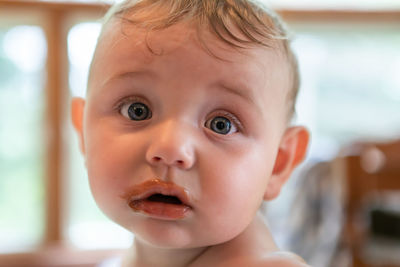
(111, 159)
(242, 184)
(243, 170)
(233, 187)
(104, 178)
(110, 152)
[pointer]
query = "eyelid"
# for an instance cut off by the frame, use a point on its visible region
(130, 99)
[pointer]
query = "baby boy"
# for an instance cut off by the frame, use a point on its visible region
(185, 129)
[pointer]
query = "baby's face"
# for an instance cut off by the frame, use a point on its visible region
(186, 124)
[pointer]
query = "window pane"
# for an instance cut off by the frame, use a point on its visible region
(22, 59)
(350, 92)
(85, 220)
(350, 87)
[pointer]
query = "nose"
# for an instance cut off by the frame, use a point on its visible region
(172, 145)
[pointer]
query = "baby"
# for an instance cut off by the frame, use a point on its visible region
(185, 129)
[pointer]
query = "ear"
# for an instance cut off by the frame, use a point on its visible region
(292, 150)
(77, 108)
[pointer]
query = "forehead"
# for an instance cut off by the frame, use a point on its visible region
(123, 48)
(118, 31)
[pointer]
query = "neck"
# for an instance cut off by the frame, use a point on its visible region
(254, 241)
(145, 255)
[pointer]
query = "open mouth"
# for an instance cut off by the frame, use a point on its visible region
(164, 199)
(166, 207)
(159, 199)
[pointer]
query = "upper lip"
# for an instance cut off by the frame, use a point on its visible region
(155, 186)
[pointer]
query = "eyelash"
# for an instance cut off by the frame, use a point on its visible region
(129, 100)
(132, 99)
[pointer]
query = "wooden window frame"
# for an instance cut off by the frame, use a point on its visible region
(53, 251)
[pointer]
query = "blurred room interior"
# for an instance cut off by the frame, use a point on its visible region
(342, 207)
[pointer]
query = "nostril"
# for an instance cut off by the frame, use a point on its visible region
(178, 162)
(156, 159)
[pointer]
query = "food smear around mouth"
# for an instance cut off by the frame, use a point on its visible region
(160, 210)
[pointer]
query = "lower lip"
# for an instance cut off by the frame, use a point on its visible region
(160, 210)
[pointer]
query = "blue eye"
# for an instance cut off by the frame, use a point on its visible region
(136, 111)
(221, 125)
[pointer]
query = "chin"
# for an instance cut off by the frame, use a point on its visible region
(162, 234)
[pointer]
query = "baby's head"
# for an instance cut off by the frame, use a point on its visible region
(185, 125)
(235, 24)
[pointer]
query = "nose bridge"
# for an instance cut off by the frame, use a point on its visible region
(172, 144)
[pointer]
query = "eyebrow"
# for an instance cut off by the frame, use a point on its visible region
(244, 94)
(131, 74)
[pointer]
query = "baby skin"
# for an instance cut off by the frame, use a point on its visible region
(182, 146)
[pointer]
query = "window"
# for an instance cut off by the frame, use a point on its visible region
(349, 92)
(34, 100)
(350, 88)
(22, 61)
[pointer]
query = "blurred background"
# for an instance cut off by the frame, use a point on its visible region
(342, 207)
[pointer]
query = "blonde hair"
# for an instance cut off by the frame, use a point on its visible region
(257, 25)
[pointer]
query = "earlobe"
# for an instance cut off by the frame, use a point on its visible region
(77, 110)
(291, 153)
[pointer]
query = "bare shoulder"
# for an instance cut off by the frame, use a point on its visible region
(282, 259)
(278, 259)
